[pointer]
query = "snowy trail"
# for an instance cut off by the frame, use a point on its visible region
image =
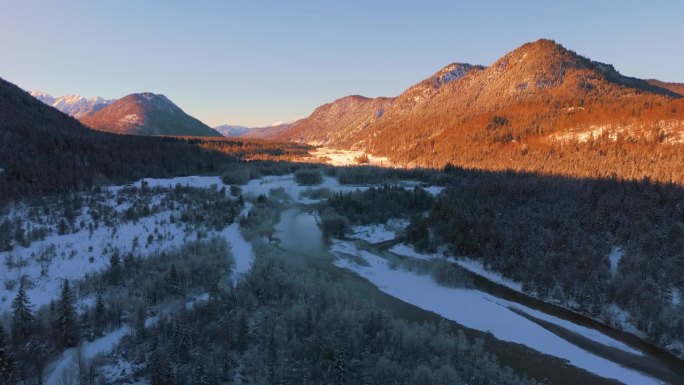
(481, 311)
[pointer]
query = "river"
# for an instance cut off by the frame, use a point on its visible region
(300, 236)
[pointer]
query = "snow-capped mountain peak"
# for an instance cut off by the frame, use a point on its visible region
(74, 105)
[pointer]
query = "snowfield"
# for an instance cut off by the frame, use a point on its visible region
(45, 264)
(71, 256)
(481, 311)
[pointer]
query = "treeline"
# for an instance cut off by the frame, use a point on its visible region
(252, 149)
(555, 235)
(380, 204)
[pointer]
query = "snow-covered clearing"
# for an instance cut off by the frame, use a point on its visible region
(48, 262)
(337, 157)
(45, 264)
(482, 311)
(378, 233)
(615, 256)
(433, 190)
(676, 296)
(64, 370)
(191, 302)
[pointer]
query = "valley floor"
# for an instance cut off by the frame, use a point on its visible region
(85, 250)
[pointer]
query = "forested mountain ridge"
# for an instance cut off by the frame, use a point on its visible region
(347, 118)
(146, 114)
(540, 108)
(44, 151)
(677, 88)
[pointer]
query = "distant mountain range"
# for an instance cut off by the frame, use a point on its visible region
(74, 105)
(137, 114)
(538, 95)
(267, 132)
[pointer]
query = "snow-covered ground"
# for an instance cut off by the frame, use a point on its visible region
(71, 256)
(479, 269)
(408, 251)
(434, 190)
(239, 247)
(476, 267)
(676, 296)
(378, 233)
(614, 257)
(337, 157)
(189, 304)
(46, 263)
(482, 311)
(64, 370)
(471, 265)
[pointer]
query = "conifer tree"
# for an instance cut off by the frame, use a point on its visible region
(174, 281)
(22, 317)
(272, 359)
(158, 375)
(100, 314)
(114, 269)
(5, 235)
(200, 377)
(181, 339)
(66, 318)
(6, 361)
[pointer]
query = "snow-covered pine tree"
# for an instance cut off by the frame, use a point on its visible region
(66, 318)
(22, 317)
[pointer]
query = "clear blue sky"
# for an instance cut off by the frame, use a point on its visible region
(258, 62)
